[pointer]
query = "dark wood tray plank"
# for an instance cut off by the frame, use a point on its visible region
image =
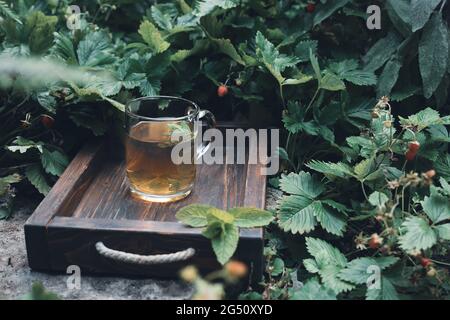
(108, 196)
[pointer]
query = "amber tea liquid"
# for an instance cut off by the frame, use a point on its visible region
(151, 172)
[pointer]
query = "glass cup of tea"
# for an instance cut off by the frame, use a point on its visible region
(154, 127)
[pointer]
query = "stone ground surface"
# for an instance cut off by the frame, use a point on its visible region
(16, 278)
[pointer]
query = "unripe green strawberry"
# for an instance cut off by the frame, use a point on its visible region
(432, 272)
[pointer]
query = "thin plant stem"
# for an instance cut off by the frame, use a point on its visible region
(312, 100)
(282, 97)
(364, 191)
(440, 262)
(287, 142)
(442, 6)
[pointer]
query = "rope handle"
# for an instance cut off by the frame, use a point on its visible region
(141, 259)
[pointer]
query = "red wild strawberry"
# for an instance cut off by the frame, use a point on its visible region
(222, 90)
(311, 7)
(430, 174)
(236, 269)
(425, 262)
(410, 155)
(375, 241)
(47, 121)
(414, 146)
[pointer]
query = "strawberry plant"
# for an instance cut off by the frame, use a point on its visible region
(365, 179)
(393, 219)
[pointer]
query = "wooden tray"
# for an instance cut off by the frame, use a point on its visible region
(91, 203)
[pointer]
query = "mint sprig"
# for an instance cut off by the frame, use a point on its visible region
(222, 227)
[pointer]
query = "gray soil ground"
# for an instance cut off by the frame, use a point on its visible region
(16, 278)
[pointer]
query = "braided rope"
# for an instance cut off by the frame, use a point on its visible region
(143, 260)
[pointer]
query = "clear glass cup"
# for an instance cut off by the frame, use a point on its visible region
(151, 125)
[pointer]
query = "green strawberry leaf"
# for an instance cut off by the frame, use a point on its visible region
(357, 270)
(54, 162)
(205, 7)
(226, 47)
(277, 267)
(378, 199)
(312, 290)
(385, 292)
(417, 234)
(442, 166)
(95, 50)
(347, 70)
(332, 221)
(303, 47)
(36, 176)
(331, 82)
(302, 184)
(296, 214)
(437, 208)
(22, 145)
(152, 37)
(329, 261)
(443, 231)
(272, 59)
(39, 30)
(338, 169)
(6, 181)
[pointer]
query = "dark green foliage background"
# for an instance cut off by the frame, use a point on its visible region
(317, 75)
